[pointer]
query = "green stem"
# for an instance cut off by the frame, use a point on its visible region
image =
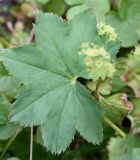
(8, 145)
(116, 128)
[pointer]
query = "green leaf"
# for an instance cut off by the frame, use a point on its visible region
(42, 1)
(52, 96)
(13, 158)
(124, 149)
(136, 111)
(8, 84)
(7, 129)
(126, 20)
(136, 153)
(56, 7)
(39, 137)
(4, 106)
(131, 76)
(101, 87)
(105, 87)
(100, 7)
(116, 107)
(73, 2)
(117, 82)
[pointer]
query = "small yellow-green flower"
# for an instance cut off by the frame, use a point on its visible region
(97, 61)
(93, 50)
(108, 30)
(89, 63)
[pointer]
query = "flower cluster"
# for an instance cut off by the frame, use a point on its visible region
(97, 61)
(107, 30)
(93, 50)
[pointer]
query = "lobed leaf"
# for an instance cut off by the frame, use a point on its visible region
(126, 20)
(120, 149)
(100, 7)
(52, 97)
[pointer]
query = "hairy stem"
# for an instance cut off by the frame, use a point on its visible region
(8, 145)
(116, 128)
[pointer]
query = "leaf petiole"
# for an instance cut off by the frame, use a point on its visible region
(116, 128)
